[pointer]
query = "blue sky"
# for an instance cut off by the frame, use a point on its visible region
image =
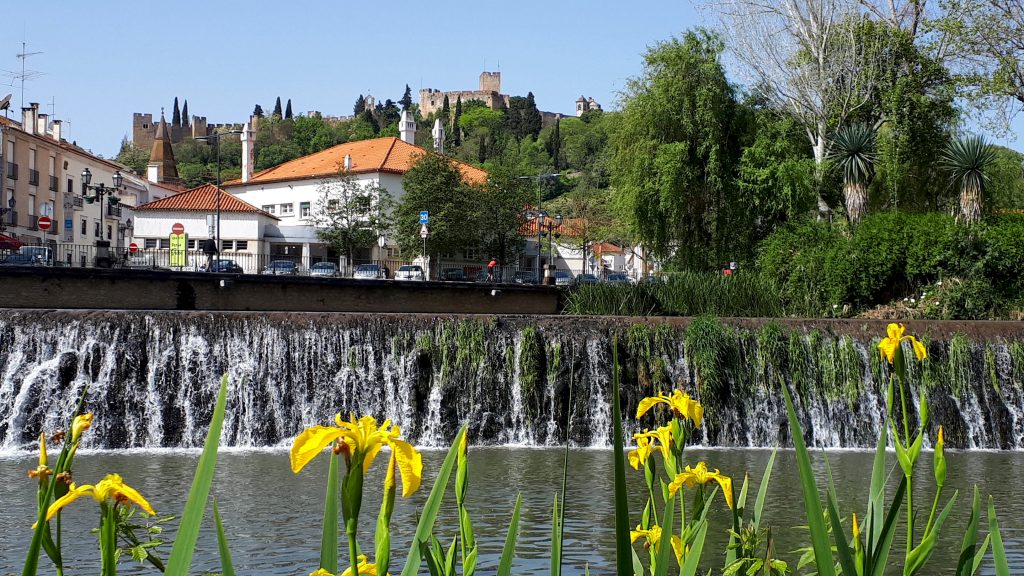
(103, 60)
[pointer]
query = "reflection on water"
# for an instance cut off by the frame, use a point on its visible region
(273, 517)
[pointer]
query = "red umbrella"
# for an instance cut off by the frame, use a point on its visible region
(492, 263)
(9, 243)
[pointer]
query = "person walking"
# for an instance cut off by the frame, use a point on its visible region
(210, 249)
(490, 270)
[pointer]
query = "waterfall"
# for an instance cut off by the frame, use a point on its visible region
(151, 378)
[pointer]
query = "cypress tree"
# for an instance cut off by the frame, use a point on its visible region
(258, 111)
(406, 100)
(277, 107)
(456, 130)
(288, 109)
(531, 116)
(360, 106)
(176, 118)
(184, 114)
(445, 109)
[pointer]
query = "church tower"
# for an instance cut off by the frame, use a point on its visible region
(162, 167)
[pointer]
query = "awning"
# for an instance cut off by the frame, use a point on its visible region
(9, 243)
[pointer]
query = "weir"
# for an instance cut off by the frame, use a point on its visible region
(516, 380)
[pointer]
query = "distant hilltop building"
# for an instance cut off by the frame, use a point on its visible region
(584, 104)
(431, 100)
(144, 130)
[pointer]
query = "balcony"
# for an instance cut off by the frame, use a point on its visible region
(53, 183)
(113, 211)
(76, 201)
(11, 218)
(33, 177)
(54, 228)
(12, 170)
(33, 222)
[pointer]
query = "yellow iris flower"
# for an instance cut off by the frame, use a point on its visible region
(645, 445)
(364, 440)
(653, 538)
(80, 424)
(692, 477)
(43, 470)
(111, 488)
(365, 569)
(888, 346)
(681, 404)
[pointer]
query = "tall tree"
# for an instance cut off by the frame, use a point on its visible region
(176, 118)
(804, 57)
(360, 106)
(277, 108)
(532, 120)
(853, 150)
(499, 215)
(435, 184)
(350, 215)
(288, 109)
(446, 110)
(184, 114)
(456, 129)
(674, 153)
(258, 111)
(968, 161)
(554, 146)
(406, 100)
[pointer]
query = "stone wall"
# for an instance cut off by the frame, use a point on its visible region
(90, 288)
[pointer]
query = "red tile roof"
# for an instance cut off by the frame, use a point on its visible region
(571, 227)
(388, 155)
(202, 199)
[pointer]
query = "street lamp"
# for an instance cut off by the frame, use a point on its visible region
(552, 224)
(215, 140)
(540, 216)
(101, 191)
(4, 211)
(122, 229)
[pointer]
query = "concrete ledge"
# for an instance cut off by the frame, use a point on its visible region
(93, 288)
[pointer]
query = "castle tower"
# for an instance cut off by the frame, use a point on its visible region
(581, 105)
(490, 82)
(407, 128)
(248, 150)
(162, 167)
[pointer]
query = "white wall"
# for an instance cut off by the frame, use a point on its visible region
(233, 225)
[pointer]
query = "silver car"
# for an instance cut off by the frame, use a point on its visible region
(410, 272)
(324, 269)
(367, 272)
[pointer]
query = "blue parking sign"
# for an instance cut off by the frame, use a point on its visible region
(424, 217)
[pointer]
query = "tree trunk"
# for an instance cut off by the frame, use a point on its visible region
(818, 146)
(970, 205)
(855, 194)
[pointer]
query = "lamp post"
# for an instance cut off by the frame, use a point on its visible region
(123, 229)
(552, 224)
(101, 191)
(4, 212)
(540, 216)
(215, 140)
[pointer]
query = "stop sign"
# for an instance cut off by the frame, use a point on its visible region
(178, 228)
(133, 247)
(44, 223)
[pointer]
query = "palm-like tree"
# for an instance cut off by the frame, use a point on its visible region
(968, 160)
(853, 150)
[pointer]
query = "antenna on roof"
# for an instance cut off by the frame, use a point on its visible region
(5, 103)
(25, 74)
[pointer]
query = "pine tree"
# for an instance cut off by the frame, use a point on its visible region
(288, 109)
(184, 114)
(277, 107)
(456, 129)
(360, 106)
(258, 111)
(176, 118)
(406, 100)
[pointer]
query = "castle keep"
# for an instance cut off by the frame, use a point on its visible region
(144, 130)
(431, 99)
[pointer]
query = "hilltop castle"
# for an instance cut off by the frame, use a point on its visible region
(144, 129)
(431, 100)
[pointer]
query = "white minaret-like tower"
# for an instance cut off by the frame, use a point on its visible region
(248, 151)
(407, 128)
(438, 134)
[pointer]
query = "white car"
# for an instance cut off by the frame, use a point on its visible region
(410, 272)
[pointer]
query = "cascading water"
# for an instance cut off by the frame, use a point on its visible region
(152, 377)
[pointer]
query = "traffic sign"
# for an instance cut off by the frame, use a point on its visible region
(177, 228)
(424, 217)
(44, 223)
(423, 231)
(133, 247)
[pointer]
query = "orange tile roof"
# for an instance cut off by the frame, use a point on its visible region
(203, 199)
(606, 247)
(389, 155)
(571, 227)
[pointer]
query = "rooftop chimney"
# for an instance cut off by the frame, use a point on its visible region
(407, 128)
(57, 130)
(248, 151)
(28, 121)
(41, 124)
(348, 162)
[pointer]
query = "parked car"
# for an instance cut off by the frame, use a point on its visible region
(564, 278)
(324, 270)
(453, 275)
(410, 272)
(368, 271)
(586, 279)
(525, 277)
(21, 260)
(281, 268)
(224, 267)
(618, 279)
(140, 263)
(654, 279)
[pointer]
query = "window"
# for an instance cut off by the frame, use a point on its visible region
(286, 209)
(193, 245)
(152, 243)
(71, 186)
(96, 228)
(110, 232)
(241, 244)
(268, 208)
(85, 227)
(304, 209)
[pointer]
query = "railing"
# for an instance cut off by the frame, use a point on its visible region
(113, 211)
(33, 177)
(12, 218)
(33, 222)
(53, 183)
(12, 170)
(54, 228)
(76, 201)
